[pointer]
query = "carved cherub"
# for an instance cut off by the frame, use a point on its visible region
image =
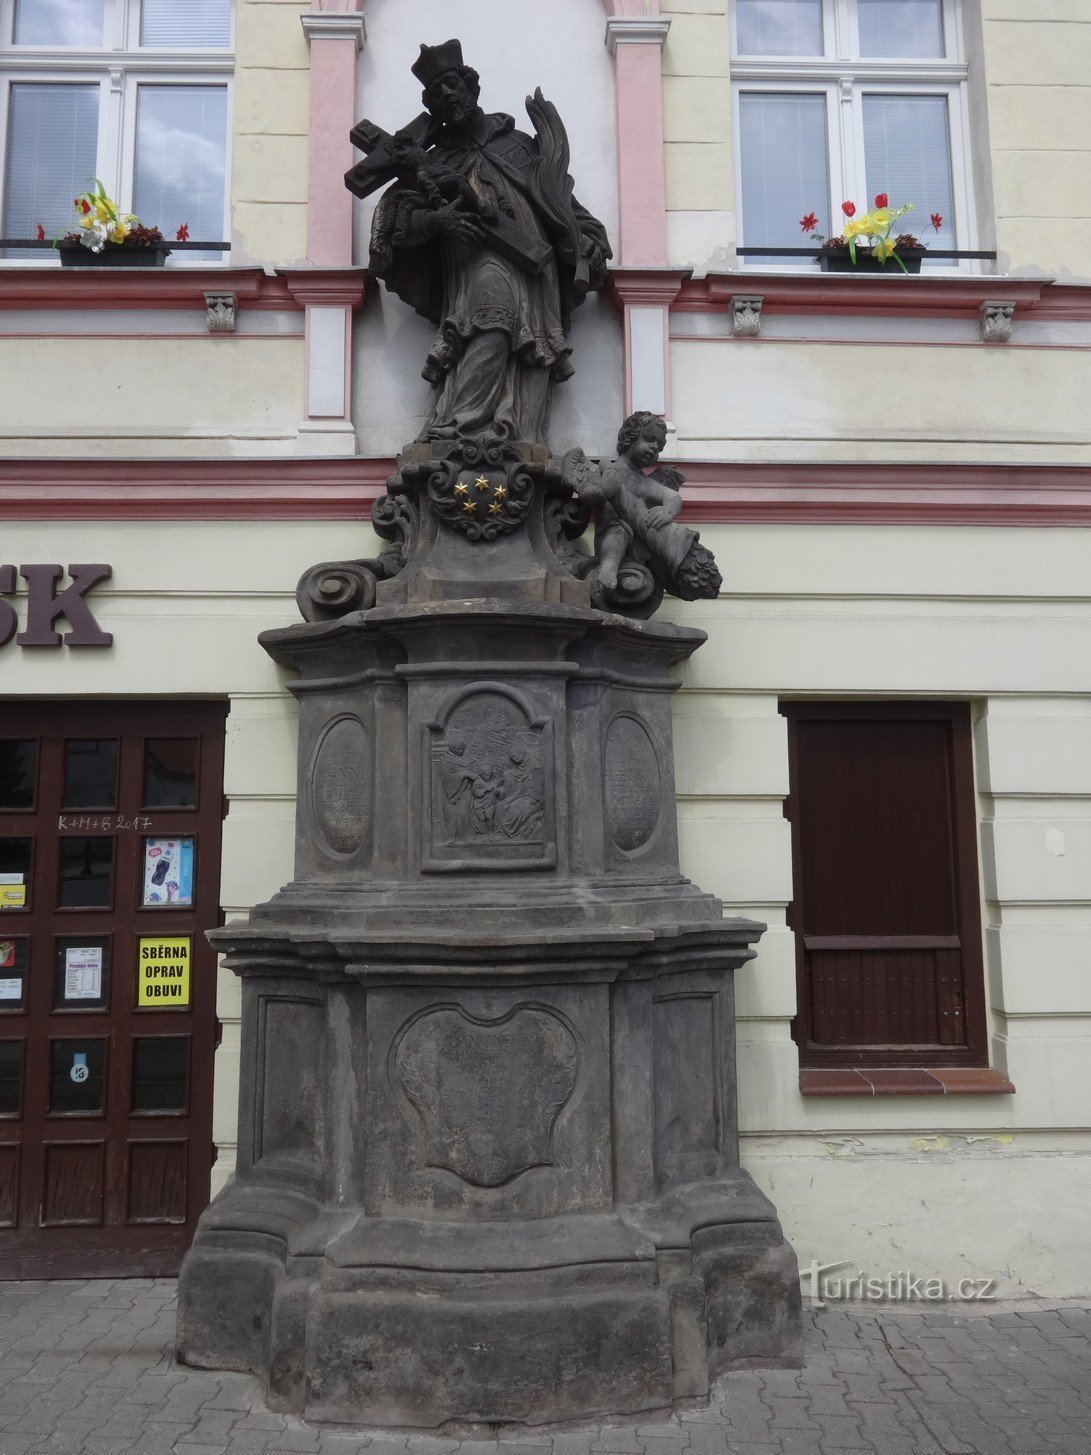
(637, 508)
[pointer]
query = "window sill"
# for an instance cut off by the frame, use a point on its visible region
(903, 1081)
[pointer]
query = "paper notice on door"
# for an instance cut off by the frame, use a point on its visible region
(11, 989)
(83, 973)
(13, 892)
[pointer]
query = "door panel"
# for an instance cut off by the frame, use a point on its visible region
(110, 818)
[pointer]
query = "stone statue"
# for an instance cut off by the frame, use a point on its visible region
(481, 234)
(637, 536)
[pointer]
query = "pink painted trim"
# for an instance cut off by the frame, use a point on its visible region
(289, 288)
(330, 153)
(649, 288)
(903, 1081)
(642, 183)
(828, 293)
(290, 488)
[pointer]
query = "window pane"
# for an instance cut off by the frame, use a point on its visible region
(90, 773)
(11, 1077)
(52, 146)
(81, 978)
(18, 765)
(185, 22)
(901, 28)
(75, 1082)
(785, 172)
(86, 873)
(160, 1064)
(181, 146)
(170, 773)
(779, 27)
(907, 150)
(59, 22)
(14, 873)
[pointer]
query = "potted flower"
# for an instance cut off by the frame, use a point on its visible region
(866, 245)
(105, 237)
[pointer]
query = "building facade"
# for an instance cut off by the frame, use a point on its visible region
(883, 749)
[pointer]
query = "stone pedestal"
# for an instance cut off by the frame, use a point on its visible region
(488, 1157)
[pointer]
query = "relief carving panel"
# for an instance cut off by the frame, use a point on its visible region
(487, 1093)
(633, 786)
(489, 785)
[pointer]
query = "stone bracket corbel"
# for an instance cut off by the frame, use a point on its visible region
(222, 312)
(745, 311)
(997, 320)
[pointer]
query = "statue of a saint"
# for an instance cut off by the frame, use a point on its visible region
(480, 234)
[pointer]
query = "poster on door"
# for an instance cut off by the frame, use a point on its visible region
(168, 873)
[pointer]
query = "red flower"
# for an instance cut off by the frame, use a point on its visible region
(182, 235)
(41, 232)
(84, 205)
(849, 209)
(881, 199)
(808, 223)
(937, 220)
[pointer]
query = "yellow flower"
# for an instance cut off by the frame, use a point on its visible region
(854, 227)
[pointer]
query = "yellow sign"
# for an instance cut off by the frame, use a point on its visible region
(13, 896)
(162, 971)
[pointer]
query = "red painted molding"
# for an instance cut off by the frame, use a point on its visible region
(904, 1081)
(192, 489)
(178, 288)
(293, 488)
(918, 297)
(657, 287)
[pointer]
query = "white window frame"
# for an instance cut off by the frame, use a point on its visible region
(119, 68)
(845, 77)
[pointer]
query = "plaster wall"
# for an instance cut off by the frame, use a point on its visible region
(576, 73)
(999, 616)
(168, 396)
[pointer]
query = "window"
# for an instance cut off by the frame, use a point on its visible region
(133, 92)
(886, 909)
(843, 99)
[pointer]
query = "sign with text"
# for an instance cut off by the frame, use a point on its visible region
(162, 971)
(46, 605)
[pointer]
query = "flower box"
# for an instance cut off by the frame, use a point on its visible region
(839, 260)
(75, 255)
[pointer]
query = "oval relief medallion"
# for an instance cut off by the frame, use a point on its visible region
(633, 784)
(341, 785)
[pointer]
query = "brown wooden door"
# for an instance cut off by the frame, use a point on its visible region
(886, 908)
(110, 818)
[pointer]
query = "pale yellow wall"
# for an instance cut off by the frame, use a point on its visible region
(169, 396)
(269, 150)
(1038, 70)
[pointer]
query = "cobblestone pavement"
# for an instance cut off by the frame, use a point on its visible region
(87, 1369)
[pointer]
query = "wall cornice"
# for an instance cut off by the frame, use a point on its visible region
(178, 288)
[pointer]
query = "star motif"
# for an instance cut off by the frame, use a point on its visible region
(499, 492)
(495, 508)
(469, 506)
(461, 488)
(482, 482)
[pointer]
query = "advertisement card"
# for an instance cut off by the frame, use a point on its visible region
(168, 873)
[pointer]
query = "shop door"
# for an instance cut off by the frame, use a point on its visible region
(110, 820)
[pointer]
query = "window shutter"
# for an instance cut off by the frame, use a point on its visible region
(52, 142)
(909, 28)
(907, 152)
(785, 172)
(186, 24)
(779, 27)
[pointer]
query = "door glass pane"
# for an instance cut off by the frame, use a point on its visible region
(15, 873)
(160, 1067)
(18, 769)
(59, 22)
(785, 172)
(901, 28)
(87, 866)
(170, 773)
(51, 156)
(76, 1075)
(907, 151)
(779, 27)
(11, 1077)
(168, 873)
(181, 149)
(185, 22)
(13, 972)
(90, 773)
(81, 979)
